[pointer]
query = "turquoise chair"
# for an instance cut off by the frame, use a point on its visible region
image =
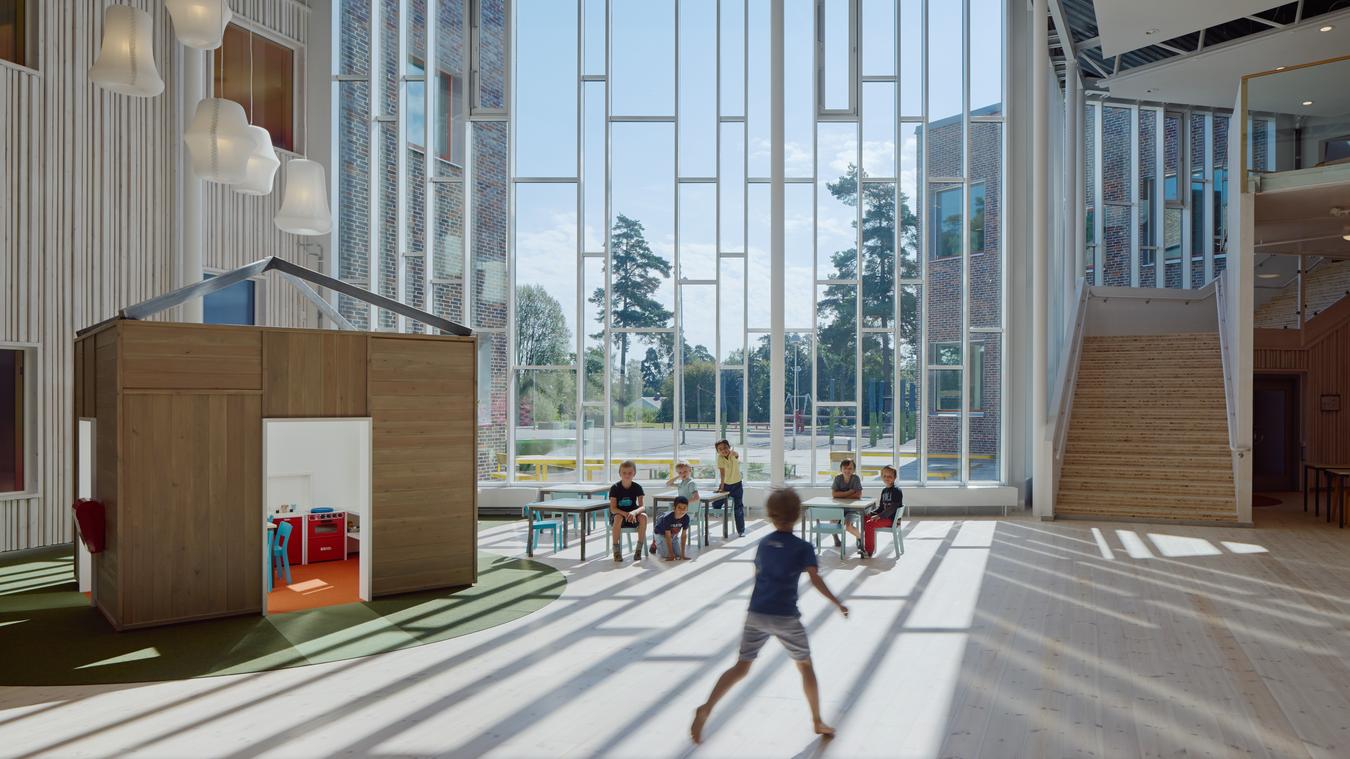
(897, 537)
(279, 553)
(541, 525)
(828, 521)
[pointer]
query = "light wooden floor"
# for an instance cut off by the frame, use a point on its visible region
(990, 637)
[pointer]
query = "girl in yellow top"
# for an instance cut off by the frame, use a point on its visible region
(729, 481)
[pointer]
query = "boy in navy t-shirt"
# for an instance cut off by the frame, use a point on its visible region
(672, 529)
(779, 563)
(626, 509)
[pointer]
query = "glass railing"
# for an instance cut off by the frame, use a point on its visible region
(1298, 119)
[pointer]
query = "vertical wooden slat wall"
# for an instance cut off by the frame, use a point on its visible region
(88, 219)
(1323, 361)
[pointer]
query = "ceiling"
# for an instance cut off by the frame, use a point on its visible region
(1126, 25)
(1287, 91)
(1075, 30)
(1299, 222)
(1210, 77)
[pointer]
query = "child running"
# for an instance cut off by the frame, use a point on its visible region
(729, 474)
(625, 508)
(884, 515)
(779, 563)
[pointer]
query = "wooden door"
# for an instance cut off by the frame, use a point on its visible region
(1275, 433)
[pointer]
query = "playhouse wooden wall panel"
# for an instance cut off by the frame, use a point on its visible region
(309, 374)
(423, 513)
(192, 535)
(107, 470)
(188, 357)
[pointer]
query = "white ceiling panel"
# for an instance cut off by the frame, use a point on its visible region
(1125, 25)
(1210, 78)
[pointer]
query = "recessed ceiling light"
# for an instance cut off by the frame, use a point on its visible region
(1346, 237)
(1269, 275)
(1307, 102)
(1326, 28)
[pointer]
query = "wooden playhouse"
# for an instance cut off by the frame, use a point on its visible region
(178, 413)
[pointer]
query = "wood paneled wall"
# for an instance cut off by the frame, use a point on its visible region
(1320, 354)
(88, 219)
(178, 448)
(423, 500)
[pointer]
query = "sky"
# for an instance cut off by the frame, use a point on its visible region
(643, 161)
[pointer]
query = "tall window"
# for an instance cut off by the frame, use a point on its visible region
(448, 128)
(641, 236)
(236, 304)
(258, 73)
(13, 426)
(16, 24)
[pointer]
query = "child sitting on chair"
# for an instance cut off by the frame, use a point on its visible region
(672, 529)
(884, 515)
(626, 510)
(683, 483)
(846, 485)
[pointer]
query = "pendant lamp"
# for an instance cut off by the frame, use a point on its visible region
(262, 165)
(126, 60)
(304, 204)
(199, 23)
(220, 141)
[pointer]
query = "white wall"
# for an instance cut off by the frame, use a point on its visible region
(335, 453)
(1148, 311)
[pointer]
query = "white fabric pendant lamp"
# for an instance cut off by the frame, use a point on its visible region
(262, 165)
(200, 23)
(304, 202)
(219, 141)
(126, 60)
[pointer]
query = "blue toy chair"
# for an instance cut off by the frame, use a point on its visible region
(279, 553)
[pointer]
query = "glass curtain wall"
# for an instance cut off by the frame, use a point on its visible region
(1163, 172)
(639, 239)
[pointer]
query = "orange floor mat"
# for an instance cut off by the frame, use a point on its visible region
(325, 583)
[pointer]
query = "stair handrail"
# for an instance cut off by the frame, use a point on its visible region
(1226, 354)
(1066, 379)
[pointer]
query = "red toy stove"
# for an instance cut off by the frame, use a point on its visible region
(326, 537)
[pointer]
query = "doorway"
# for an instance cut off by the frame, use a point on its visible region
(316, 513)
(1275, 433)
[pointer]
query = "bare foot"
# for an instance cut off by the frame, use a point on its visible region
(821, 729)
(696, 729)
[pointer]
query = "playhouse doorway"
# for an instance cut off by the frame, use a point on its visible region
(316, 513)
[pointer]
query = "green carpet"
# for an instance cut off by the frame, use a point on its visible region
(41, 611)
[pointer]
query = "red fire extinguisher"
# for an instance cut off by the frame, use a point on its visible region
(89, 516)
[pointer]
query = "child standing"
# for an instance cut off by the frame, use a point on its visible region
(671, 529)
(729, 475)
(779, 563)
(884, 515)
(846, 485)
(625, 508)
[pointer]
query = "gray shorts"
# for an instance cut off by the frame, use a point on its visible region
(788, 630)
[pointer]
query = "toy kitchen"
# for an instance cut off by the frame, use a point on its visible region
(322, 534)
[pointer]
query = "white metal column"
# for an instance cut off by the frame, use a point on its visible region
(190, 249)
(777, 275)
(1040, 152)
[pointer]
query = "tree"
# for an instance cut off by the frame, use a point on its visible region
(636, 275)
(541, 328)
(838, 327)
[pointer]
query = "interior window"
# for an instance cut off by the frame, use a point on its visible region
(14, 22)
(12, 450)
(236, 304)
(259, 74)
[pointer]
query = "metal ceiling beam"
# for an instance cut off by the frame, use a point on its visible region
(1063, 30)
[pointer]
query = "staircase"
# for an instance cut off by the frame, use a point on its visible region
(1148, 435)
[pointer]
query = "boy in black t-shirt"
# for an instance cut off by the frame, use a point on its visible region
(883, 515)
(671, 529)
(780, 560)
(625, 508)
